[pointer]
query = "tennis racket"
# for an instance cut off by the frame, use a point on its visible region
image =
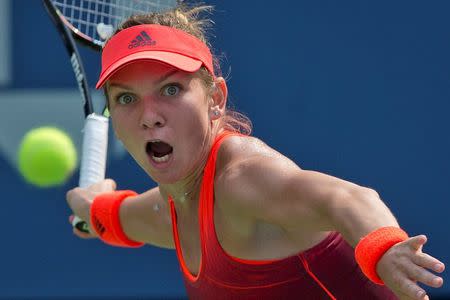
(91, 23)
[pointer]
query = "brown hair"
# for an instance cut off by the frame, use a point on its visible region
(190, 20)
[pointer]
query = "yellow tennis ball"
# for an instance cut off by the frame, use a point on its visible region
(47, 157)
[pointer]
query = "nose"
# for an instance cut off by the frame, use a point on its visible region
(151, 117)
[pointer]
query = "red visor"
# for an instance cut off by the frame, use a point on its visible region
(154, 42)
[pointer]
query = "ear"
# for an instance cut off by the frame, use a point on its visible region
(218, 100)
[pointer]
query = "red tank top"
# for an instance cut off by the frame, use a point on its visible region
(325, 271)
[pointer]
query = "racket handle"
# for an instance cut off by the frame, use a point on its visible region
(80, 224)
(93, 157)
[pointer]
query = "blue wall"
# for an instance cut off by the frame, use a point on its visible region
(355, 89)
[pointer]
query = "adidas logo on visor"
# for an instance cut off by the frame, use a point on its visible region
(142, 39)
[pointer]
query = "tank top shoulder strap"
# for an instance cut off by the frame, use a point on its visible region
(210, 168)
(206, 209)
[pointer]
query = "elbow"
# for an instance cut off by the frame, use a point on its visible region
(367, 193)
(353, 195)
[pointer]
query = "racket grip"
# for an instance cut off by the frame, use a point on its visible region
(93, 157)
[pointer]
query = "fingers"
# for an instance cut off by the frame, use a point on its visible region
(417, 273)
(417, 242)
(405, 266)
(421, 262)
(106, 185)
(112, 184)
(79, 202)
(80, 199)
(416, 268)
(403, 296)
(408, 289)
(82, 235)
(429, 262)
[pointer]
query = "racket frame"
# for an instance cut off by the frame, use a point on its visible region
(95, 131)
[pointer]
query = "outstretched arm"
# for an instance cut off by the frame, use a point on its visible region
(275, 190)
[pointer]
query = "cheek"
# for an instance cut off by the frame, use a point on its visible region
(116, 129)
(182, 110)
(119, 125)
(122, 133)
(114, 122)
(196, 121)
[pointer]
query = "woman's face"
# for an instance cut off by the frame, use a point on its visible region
(162, 116)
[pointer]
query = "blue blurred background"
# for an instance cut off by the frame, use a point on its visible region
(356, 89)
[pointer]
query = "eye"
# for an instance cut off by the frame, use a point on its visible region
(125, 99)
(171, 90)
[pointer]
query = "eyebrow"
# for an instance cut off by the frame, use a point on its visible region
(167, 75)
(160, 79)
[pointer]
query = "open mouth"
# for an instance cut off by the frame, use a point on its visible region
(158, 151)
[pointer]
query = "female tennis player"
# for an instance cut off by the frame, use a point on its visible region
(246, 222)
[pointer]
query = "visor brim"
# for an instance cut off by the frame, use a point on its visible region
(181, 62)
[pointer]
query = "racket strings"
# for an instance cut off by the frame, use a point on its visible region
(97, 19)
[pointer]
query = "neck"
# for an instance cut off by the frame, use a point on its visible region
(186, 191)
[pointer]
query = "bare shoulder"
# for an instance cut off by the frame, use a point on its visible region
(255, 198)
(250, 173)
(239, 150)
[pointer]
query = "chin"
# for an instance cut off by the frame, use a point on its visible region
(164, 178)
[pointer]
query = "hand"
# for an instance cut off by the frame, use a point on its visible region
(80, 200)
(404, 265)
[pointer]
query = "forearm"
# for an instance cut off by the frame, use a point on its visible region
(145, 218)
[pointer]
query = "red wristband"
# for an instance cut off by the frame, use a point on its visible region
(105, 219)
(373, 246)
